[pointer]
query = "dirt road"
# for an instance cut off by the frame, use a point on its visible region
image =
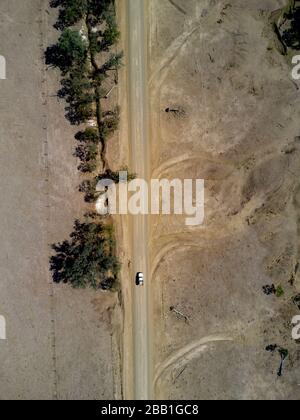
(138, 106)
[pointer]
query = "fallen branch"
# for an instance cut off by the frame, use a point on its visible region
(180, 314)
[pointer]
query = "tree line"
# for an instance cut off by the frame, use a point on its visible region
(86, 60)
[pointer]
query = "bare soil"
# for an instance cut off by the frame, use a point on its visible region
(219, 62)
(59, 341)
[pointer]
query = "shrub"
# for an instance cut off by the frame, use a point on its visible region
(279, 291)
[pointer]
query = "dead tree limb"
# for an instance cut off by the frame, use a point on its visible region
(180, 314)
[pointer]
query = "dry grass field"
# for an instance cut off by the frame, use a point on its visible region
(218, 61)
(59, 341)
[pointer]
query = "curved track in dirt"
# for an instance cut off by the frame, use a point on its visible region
(183, 356)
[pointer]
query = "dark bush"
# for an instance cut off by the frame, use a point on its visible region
(291, 36)
(71, 50)
(88, 259)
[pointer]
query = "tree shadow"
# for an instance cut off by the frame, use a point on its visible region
(291, 36)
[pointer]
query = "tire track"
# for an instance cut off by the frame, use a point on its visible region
(180, 9)
(186, 354)
(171, 53)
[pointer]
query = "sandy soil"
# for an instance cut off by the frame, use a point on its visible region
(59, 341)
(218, 61)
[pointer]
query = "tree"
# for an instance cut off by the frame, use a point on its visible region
(283, 353)
(100, 10)
(88, 259)
(78, 92)
(110, 122)
(71, 12)
(114, 176)
(87, 153)
(291, 36)
(296, 300)
(76, 85)
(71, 50)
(109, 36)
(73, 46)
(90, 134)
(79, 113)
(88, 187)
(113, 63)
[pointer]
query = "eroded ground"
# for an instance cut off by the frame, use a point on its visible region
(219, 62)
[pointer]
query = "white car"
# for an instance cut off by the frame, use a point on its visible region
(139, 280)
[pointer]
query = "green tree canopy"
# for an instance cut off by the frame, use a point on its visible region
(291, 36)
(79, 94)
(71, 12)
(88, 259)
(71, 50)
(90, 134)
